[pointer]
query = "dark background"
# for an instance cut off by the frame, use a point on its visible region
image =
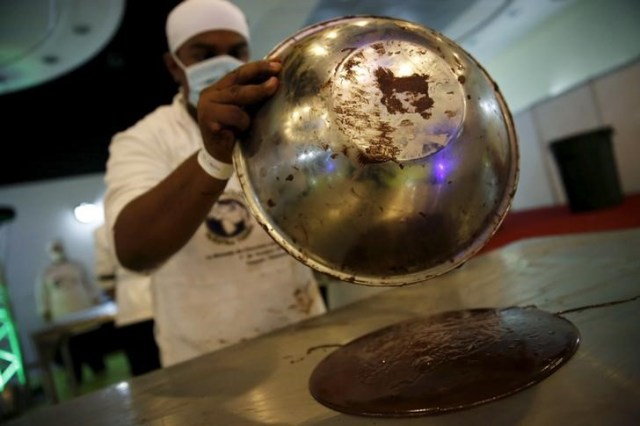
(63, 127)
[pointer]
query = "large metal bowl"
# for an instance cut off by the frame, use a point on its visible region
(387, 157)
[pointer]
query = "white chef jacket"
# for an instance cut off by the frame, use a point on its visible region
(231, 281)
(133, 291)
(133, 298)
(65, 288)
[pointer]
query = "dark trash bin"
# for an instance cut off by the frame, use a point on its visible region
(588, 169)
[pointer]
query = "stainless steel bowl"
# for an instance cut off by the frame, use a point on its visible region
(387, 157)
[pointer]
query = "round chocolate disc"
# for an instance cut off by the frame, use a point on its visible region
(449, 361)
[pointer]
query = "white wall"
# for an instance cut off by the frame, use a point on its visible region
(534, 184)
(617, 97)
(44, 211)
(575, 72)
(610, 100)
(586, 40)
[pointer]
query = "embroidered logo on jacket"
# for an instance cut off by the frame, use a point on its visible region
(229, 220)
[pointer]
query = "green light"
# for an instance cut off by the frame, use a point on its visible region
(8, 373)
(4, 330)
(9, 345)
(7, 356)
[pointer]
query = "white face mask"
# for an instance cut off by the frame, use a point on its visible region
(205, 73)
(56, 256)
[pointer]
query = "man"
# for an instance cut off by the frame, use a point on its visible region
(170, 181)
(65, 288)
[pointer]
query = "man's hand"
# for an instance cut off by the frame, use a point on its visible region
(221, 109)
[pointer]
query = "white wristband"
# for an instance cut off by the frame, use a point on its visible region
(213, 167)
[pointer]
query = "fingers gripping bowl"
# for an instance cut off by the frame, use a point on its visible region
(387, 156)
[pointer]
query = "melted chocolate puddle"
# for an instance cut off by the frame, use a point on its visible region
(445, 362)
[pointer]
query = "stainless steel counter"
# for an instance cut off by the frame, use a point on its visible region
(264, 381)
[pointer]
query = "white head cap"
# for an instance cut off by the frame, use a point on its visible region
(55, 250)
(192, 17)
(55, 245)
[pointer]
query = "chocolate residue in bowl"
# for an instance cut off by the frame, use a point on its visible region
(349, 66)
(415, 87)
(382, 148)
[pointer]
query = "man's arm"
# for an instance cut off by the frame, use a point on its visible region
(158, 223)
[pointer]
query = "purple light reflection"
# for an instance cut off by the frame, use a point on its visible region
(441, 170)
(329, 167)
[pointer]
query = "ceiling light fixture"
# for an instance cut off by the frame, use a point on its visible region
(87, 212)
(44, 39)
